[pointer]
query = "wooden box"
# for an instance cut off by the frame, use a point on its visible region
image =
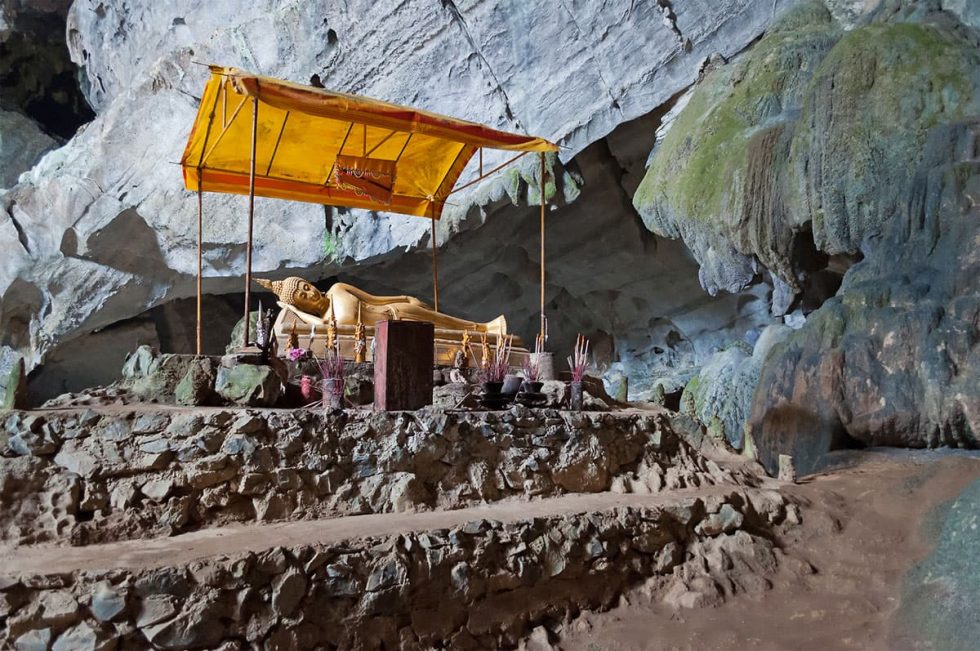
(403, 365)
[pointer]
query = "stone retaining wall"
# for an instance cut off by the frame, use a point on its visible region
(87, 476)
(484, 584)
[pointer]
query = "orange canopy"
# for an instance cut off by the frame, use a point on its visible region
(326, 147)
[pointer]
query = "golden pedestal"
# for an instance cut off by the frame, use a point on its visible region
(446, 342)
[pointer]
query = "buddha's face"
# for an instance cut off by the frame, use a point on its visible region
(309, 299)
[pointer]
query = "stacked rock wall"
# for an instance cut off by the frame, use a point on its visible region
(483, 584)
(92, 476)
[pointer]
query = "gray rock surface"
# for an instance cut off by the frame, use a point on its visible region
(22, 143)
(939, 595)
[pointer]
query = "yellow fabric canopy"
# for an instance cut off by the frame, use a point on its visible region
(320, 146)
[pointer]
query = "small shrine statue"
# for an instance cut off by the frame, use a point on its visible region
(263, 332)
(485, 355)
(331, 331)
(462, 358)
(360, 340)
(293, 342)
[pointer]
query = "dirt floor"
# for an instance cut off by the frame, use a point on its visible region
(865, 524)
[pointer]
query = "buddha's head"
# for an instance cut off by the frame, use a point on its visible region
(299, 293)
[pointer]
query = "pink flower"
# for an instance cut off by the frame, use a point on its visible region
(296, 354)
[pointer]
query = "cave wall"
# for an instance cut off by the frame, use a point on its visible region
(41, 102)
(101, 231)
(838, 158)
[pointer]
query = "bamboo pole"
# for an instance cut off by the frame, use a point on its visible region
(200, 264)
(251, 218)
(435, 265)
(543, 321)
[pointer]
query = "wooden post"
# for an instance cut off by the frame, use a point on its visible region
(543, 321)
(435, 265)
(251, 217)
(200, 264)
(403, 354)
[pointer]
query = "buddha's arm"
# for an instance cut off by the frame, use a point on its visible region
(419, 313)
(305, 317)
(371, 299)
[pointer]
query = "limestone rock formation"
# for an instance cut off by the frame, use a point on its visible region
(720, 396)
(819, 147)
(800, 149)
(894, 359)
(105, 229)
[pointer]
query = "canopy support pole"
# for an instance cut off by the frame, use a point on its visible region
(435, 264)
(251, 217)
(543, 319)
(200, 205)
(200, 264)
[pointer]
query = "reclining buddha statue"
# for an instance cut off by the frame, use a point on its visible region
(306, 311)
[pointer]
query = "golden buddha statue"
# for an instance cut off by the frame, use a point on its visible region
(341, 303)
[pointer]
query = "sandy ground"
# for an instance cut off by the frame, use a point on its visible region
(862, 532)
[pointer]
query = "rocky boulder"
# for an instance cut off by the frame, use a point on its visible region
(720, 395)
(820, 147)
(895, 359)
(246, 384)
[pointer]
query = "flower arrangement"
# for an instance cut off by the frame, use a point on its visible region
(332, 372)
(579, 359)
(298, 354)
(496, 366)
(532, 366)
(331, 366)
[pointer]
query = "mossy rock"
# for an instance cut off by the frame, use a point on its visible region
(715, 179)
(864, 122)
(238, 331)
(196, 388)
(159, 382)
(138, 362)
(13, 392)
(812, 129)
(251, 385)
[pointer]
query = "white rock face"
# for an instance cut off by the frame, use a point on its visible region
(101, 230)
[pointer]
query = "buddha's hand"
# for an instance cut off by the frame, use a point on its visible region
(411, 300)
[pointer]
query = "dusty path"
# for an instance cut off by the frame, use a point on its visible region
(862, 531)
(257, 537)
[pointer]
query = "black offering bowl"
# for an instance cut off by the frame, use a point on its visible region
(531, 395)
(493, 398)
